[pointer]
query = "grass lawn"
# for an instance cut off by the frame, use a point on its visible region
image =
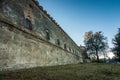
(68, 72)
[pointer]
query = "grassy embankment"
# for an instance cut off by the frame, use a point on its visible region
(67, 72)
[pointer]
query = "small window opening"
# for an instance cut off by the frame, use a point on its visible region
(31, 6)
(28, 24)
(58, 42)
(73, 50)
(47, 35)
(70, 49)
(64, 46)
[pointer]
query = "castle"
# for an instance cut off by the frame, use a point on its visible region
(30, 37)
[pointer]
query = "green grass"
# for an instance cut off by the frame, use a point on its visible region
(67, 72)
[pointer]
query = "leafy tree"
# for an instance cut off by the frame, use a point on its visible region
(116, 42)
(95, 43)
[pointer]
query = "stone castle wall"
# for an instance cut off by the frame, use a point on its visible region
(43, 44)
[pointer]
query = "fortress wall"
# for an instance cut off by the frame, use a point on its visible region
(19, 49)
(43, 44)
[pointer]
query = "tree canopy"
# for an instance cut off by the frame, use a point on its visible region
(95, 42)
(116, 42)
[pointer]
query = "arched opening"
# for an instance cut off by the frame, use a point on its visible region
(47, 35)
(28, 24)
(58, 42)
(65, 46)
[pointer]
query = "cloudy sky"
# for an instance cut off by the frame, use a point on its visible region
(79, 16)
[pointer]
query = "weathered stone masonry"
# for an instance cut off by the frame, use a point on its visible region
(29, 37)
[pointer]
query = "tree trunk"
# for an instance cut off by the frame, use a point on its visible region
(119, 59)
(97, 56)
(104, 56)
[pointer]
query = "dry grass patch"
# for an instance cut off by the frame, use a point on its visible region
(67, 72)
